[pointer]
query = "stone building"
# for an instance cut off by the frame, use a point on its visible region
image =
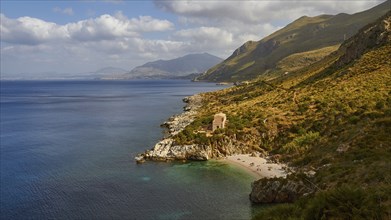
(219, 121)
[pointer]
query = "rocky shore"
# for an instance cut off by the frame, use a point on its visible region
(166, 149)
(274, 190)
(177, 123)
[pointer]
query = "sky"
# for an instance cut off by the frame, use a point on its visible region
(76, 36)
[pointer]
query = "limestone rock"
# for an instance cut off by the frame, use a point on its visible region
(370, 36)
(139, 159)
(167, 150)
(177, 123)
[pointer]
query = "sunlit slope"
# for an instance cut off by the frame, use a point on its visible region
(305, 34)
(332, 117)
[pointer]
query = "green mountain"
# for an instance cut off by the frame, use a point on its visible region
(179, 67)
(330, 121)
(254, 59)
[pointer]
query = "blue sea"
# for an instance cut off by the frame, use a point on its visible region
(67, 150)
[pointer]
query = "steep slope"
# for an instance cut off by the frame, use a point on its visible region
(331, 121)
(182, 66)
(299, 60)
(305, 34)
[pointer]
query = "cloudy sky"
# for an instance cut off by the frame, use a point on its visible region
(81, 36)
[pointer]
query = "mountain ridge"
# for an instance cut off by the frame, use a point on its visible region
(329, 122)
(178, 67)
(254, 58)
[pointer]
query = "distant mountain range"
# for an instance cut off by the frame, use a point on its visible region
(179, 67)
(110, 70)
(109, 73)
(316, 34)
(186, 67)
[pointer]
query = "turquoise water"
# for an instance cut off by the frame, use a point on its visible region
(67, 150)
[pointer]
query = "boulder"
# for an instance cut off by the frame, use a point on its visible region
(140, 159)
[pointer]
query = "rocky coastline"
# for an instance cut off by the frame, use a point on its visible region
(166, 150)
(264, 190)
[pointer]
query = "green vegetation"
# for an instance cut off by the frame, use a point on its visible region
(343, 202)
(299, 60)
(333, 117)
(254, 59)
(301, 143)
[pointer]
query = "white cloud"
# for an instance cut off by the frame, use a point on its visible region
(67, 11)
(80, 57)
(254, 18)
(27, 30)
(224, 25)
(105, 27)
(108, 27)
(218, 27)
(206, 36)
(260, 11)
(148, 24)
(81, 46)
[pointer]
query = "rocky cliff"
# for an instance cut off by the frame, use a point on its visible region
(166, 149)
(370, 36)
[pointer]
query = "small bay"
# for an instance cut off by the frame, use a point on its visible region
(67, 150)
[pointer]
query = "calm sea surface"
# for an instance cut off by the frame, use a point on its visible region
(67, 150)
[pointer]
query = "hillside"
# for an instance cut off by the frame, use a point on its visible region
(330, 121)
(179, 67)
(254, 59)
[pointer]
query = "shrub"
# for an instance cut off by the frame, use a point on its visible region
(283, 212)
(303, 107)
(201, 139)
(346, 202)
(301, 143)
(379, 105)
(354, 119)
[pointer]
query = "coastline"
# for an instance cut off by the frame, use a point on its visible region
(258, 167)
(165, 149)
(255, 164)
